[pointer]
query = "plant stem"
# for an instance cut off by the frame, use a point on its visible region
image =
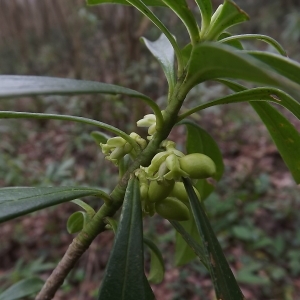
(97, 225)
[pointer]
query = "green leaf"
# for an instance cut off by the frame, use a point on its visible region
(22, 289)
(124, 277)
(12, 86)
(19, 201)
(99, 137)
(256, 94)
(282, 65)
(124, 2)
(206, 10)
(183, 12)
(225, 38)
(184, 251)
(157, 266)
(19, 86)
(236, 38)
(228, 14)
(223, 279)
(85, 206)
(24, 115)
(164, 53)
(76, 221)
(191, 242)
(284, 134)
(213, 60)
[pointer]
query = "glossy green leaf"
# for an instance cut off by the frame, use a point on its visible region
(19, 201)
(193, 244)
(284, 134)
(183, 12)
(76, 221)
(225, 38)
(228, 14)
(283, 65)
(124, 2)
(214, 60)
(264, 38)
(206, 10)
(164, 53)
(124, 277)
(99, 137)
(12, 86)
(223, 279)
(157, 266)
(23, 289)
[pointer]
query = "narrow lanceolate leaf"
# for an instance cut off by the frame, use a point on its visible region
(25, 115)
(284, 134)
(12, 86)
(124, 2)
(228, 14)
(182, 11)
(282, 65)
(264, 38)
(257, 94)
(234, 43)
(22, 289)
(124, 277)
(213, 60)
(225, 285)
(206, 11)
(157, 266)
(186, 238)
(19, 201)
(164, 53)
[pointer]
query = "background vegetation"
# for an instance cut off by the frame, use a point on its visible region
(256, 207)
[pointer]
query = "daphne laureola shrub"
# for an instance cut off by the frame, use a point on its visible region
(154, 176)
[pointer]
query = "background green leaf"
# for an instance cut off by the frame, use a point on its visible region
(22, 289)
(76, 221)
(223, 279)
(19, 201)
(124, 276)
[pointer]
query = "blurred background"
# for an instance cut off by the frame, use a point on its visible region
(255, 209)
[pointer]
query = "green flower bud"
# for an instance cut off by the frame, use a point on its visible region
(197, 165)
(159, 191)
(172, 163)
(180, 193)
(172, 209)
